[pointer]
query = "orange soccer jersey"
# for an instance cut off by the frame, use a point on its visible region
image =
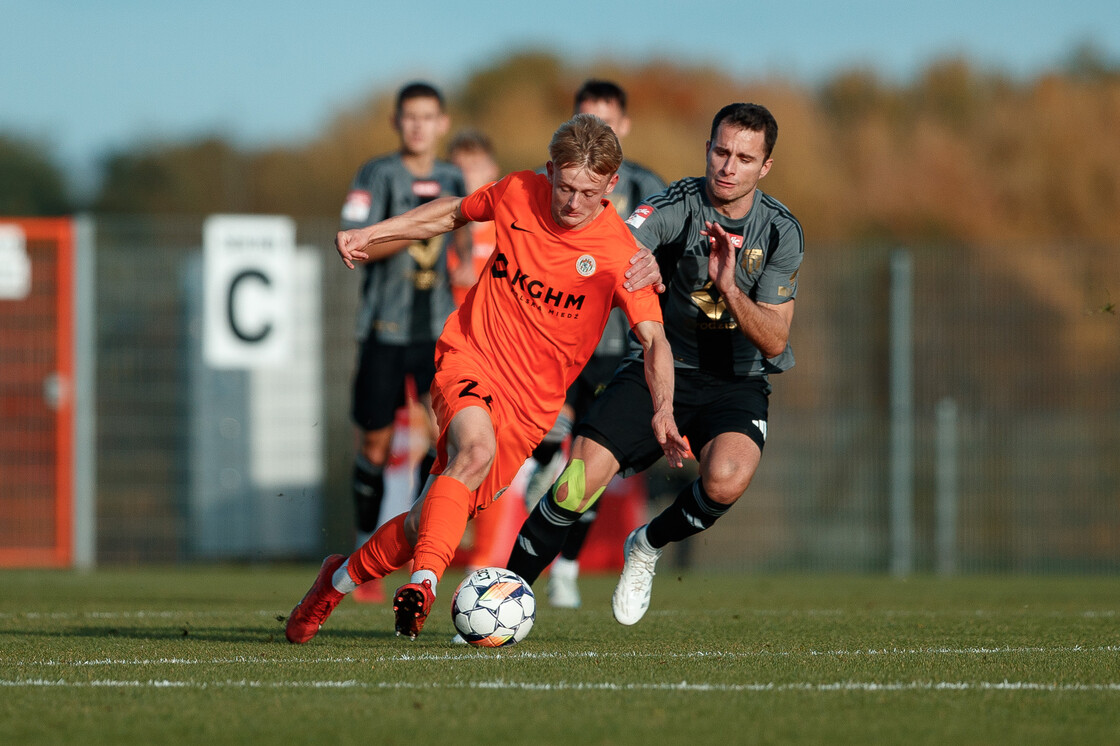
(531, 322)
(521, 336)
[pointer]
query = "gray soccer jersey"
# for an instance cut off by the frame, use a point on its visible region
(634, 184)
(405, 297)
(701, 330)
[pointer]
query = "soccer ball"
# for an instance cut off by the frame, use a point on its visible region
(493, 607)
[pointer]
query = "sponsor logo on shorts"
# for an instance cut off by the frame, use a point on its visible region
(761, 425)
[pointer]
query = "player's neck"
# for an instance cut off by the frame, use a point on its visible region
(736, 209)
(418, 164)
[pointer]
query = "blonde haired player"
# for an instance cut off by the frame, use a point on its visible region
(506, 357)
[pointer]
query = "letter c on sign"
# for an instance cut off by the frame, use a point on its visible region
(255, 274)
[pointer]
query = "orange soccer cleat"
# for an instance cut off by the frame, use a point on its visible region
(411, 603)
(316, 605)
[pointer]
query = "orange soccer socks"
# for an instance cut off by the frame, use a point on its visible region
(443, 520)
(386, 551)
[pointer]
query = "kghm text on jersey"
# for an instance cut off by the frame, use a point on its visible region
(547, 298)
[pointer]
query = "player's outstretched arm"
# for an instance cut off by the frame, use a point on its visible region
(766, 325)
(389, 236)
(644, 271)
(660, 378)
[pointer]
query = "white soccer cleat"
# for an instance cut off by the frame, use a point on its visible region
(631, 595)
(563, 588)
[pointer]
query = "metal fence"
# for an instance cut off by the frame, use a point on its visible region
(996, 449)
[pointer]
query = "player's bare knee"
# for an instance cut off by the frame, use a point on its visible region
(727, 482)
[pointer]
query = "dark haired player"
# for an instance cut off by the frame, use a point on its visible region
(606, 100)
(406, 295)
(730, 255)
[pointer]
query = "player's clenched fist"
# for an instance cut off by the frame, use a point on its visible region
(351, 247)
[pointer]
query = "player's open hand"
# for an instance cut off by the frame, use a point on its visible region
(721, 256)
(674, 445)
(643, 271)
(351, 247)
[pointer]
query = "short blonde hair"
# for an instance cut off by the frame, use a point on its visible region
(586, 141)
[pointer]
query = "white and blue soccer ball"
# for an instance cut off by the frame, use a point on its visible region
(493, 607)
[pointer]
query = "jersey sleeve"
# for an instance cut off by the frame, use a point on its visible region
(366, 200)
(479, 205)
(778, 282)
(640, 305)
(656, 222)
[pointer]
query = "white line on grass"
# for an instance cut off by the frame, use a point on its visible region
(500, 684)
(475, 655)
(181, 613)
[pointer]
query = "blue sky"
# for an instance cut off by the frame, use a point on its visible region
(86, 76)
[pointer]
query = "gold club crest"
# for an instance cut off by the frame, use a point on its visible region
(425, 254)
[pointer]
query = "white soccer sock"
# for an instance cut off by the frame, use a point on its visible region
(420, 576)
(641, 543)
(341, 579)
(565, 568)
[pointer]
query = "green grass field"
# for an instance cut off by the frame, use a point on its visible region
(189, 656)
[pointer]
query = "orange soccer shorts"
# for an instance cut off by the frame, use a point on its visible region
(463, 382)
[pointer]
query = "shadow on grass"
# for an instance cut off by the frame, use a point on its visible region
(191, 632)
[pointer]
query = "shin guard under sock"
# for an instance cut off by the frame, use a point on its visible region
(540, 538)
(386, 551)
(692, 512)
(443, 519)
(577, 535)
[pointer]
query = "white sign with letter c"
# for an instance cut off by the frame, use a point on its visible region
(248, 265)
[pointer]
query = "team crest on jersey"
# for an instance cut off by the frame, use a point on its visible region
(356, 207)
(585, 265)
(639, 216)
(751, 260)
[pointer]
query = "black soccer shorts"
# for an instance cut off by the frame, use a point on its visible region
(704, 406)
(378, 390)
(591, 382)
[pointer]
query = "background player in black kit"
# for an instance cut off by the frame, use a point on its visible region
(406, 295)
(730, 256)
(606, 100)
